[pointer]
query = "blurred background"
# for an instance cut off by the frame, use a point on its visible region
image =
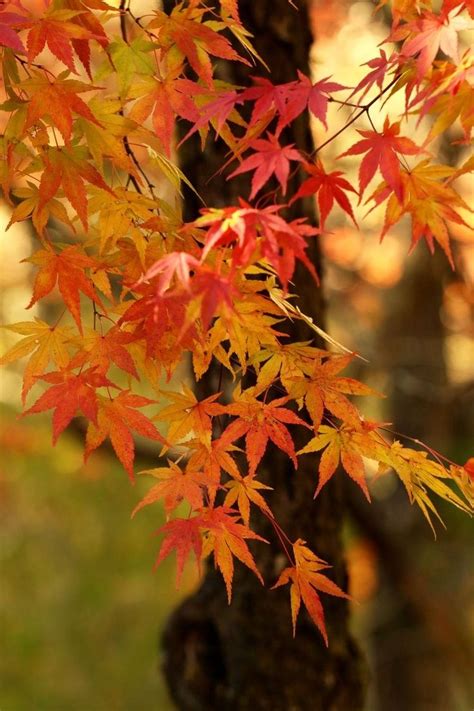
(81, 609)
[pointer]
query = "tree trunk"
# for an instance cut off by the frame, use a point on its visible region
(243, 656)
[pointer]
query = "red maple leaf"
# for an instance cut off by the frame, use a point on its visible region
(280, 242)
(184, 536)
(379, 66)
(175, 264)
(218, 110)
(215, 290)
(382, 149)
(304, 94)
(8, 36)
(68, 394)
(269, 157)
(430, 33)
(328, 187)
(268, 98)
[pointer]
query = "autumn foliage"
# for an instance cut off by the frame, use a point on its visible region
(91, 95)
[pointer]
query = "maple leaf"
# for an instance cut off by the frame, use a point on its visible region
(132, 59)
(420, 474)
(57, 100)
(67, 270)
(260, 422)
(337, 445)
(214, 290)
(246, 228)
(289, 100)
(428, 200)
(31, 206)
(269, 157)
(164, 100)
(321, 389)
(269, 99)
(45, 343)
(57, 30)
(212, 460)
(188, 415)
(306, 580)
(380, 66)
(8, 36)
(91, 24)
(430, 33)
(382, 149)
(175, 486)
(104, 137)
(115, 419)
(68, 394)
(179, 264)
(184, 32)
(304, 94)
(162, 322)
(226, 538)
(217, 111)
(69, 169)
(243, 490)
(328, 187)
(402, 9)
(101, 350)
(184, 536)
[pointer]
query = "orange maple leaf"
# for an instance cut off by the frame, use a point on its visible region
(68, 270)
(183, 31)
(429, 199)
(175, 486)
(226, 538)
(337, 446)
(101, 350)
(306, 580)
(244, 490)
(45, 343)
(321, 388)
(212, 460)
(69, 169)
(56, 100)
(187, 414)
(115, 419)
(57, 30)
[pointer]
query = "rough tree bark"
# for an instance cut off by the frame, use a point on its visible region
(243, 656)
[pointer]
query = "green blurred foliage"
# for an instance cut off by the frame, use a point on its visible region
(81, 609)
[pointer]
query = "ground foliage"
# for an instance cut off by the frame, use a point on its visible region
(91, 95)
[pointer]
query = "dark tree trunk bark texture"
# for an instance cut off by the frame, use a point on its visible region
(243, 656)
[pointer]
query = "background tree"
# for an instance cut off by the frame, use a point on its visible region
(221, 656)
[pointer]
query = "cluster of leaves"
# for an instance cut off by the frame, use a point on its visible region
(91, 97)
